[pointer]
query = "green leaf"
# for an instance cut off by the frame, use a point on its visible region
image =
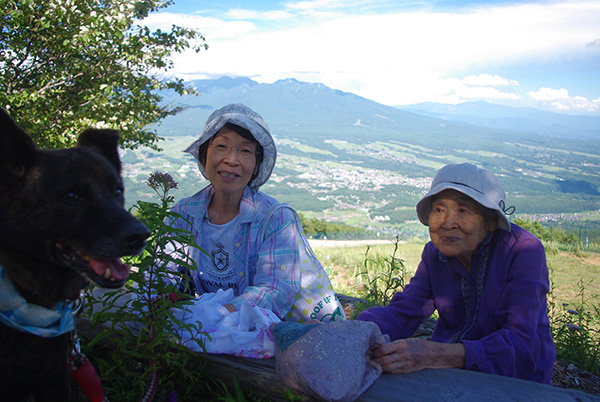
(70, 65)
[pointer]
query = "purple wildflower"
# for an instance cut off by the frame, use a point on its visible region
(162, 181)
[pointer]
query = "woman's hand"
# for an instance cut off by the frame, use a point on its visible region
(408, 355)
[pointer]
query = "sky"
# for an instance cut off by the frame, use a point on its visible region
(543, 54)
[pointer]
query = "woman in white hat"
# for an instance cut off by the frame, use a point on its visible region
(487, 279)
(254, 244)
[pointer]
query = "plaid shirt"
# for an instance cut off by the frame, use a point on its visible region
(269, 245)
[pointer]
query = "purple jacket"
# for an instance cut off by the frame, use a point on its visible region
(498, 311)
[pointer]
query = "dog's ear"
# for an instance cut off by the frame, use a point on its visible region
(17, 149)
(105, 142)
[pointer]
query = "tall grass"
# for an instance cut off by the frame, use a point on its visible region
(382, 276)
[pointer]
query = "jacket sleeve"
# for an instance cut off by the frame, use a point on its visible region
(407, 309)
(514, 350)
(277, 275)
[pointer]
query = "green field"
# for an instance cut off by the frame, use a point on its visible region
(375, 185)
(567, 269)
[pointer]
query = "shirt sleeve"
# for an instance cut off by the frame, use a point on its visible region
(407, 309)
(514, 350)
(277, 275)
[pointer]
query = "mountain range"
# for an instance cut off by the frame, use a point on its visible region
(526, 120)
(345, 158)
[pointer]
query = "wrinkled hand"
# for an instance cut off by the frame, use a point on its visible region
(408, 355)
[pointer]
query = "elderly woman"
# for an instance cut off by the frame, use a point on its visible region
(253, 244)
(487, 279)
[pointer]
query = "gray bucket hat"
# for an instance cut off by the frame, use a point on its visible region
(243, 116)
(479, 184)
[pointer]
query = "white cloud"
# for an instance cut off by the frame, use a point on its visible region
(213, 28)
(240, 14)
(312, 5)
(486, 93)
(489, 80)
(393, 58)
(425, 87)
(549, 94)
(560, 100)
(594, 43)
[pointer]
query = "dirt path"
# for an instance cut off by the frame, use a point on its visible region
(346, 243)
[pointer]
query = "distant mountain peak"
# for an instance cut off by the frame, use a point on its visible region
(288, 81)
(223, 82)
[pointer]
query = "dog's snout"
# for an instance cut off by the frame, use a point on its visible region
(134, 237)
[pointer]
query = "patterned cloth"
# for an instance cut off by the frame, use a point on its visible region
(279, 270)
(16, 313)
(330, 361)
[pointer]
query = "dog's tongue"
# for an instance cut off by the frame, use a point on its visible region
(118, 270)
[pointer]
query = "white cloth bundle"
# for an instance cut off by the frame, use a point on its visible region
(245, 332)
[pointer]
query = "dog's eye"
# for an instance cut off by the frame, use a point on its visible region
(70, 197)
(119, 193)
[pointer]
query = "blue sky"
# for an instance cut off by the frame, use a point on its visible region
(543, 54)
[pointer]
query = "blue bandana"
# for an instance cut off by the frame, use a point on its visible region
(16, 313)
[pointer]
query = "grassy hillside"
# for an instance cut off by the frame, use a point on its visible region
(570, 273)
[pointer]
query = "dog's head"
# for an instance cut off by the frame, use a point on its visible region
(62, 211)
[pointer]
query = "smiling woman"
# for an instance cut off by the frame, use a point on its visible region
(254, 245)
(487, 279)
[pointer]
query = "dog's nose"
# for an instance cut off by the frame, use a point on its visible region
(134, 237)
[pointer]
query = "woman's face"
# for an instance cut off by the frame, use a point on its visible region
(457, 225)
(230, 162)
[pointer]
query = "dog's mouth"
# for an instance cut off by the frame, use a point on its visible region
(106, 272)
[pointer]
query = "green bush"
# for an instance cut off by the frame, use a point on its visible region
(575, 330)
(551, 234)
(143, 332)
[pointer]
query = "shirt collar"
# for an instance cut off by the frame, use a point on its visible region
(248, 208)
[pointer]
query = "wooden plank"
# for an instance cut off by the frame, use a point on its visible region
(256, 375)
(455, 385)
(445, 385)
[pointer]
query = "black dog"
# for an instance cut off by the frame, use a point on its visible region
(62, 224)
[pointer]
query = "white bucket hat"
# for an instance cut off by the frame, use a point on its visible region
(243, 116)
(479, 184)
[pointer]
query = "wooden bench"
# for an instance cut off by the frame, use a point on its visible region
(451, 385)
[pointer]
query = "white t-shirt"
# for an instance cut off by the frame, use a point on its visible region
(219, 271)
